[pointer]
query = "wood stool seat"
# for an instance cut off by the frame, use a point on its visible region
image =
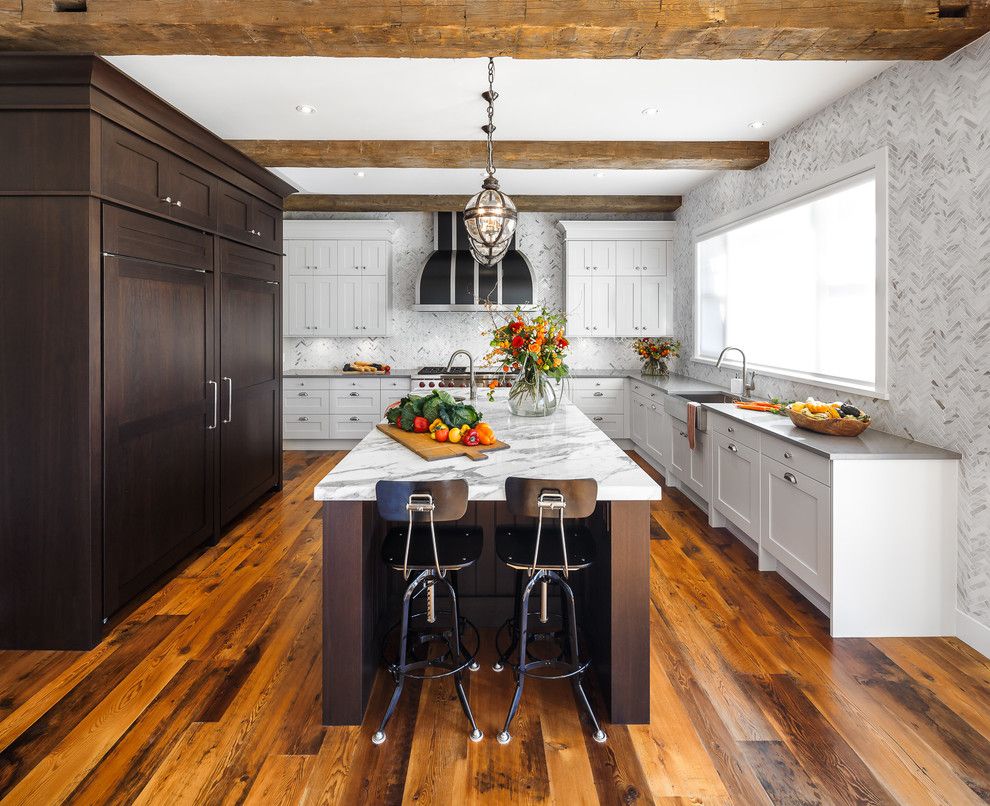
(457, 547)
(514, 546)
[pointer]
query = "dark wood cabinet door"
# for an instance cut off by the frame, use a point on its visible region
(194, 194)
(250, 369)
(159, 408)
(246, 261)
(236, 213)
(134, 170)
(267, 225)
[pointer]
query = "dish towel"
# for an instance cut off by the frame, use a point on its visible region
(692, 424)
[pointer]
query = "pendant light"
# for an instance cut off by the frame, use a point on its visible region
(490, 216)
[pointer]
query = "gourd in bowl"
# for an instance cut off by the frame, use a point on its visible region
(836, 419)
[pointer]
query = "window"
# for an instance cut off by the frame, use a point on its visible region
(800, 285)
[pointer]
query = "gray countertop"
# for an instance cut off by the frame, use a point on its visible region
(338, 373)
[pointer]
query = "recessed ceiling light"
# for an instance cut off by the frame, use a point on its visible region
(651, 111)
(757, 124)
(306, 109)
(599, 174)
(359, 174)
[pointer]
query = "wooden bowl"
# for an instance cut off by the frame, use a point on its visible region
(835, 428)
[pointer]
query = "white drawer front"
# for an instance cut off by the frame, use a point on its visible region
(356, 383)
(396, 384)
(736, 432)
(305, 401)
(599, 401)
(352, 426)
(305, 383)
(611, 424)
(306, 426)
(651, 393)
(811, 464)
(356, 401)
(597, 383)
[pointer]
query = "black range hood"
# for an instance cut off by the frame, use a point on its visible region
(451, 280)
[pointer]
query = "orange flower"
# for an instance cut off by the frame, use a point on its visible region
(534, 348)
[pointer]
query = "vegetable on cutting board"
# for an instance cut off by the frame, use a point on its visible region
(438, 405)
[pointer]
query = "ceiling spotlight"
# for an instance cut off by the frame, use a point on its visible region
(359, 174)
(599, 174)
(651, 111)
(757, 124)
(306, 109)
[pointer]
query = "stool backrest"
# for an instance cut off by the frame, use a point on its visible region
(523, 495)
(450, 499)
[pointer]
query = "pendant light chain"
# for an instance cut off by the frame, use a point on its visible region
(492, 95)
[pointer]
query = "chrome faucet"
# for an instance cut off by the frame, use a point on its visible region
(747, 386)
(470, 358)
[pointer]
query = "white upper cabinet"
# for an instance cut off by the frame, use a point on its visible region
(628, 262)
(337, 278)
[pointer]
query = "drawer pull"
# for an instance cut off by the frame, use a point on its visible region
(304, 394)
(683, 435)
(598, 419)
(599, 394)
(787, 455)
(355, 419)
(304, 419)
(791, 478)
(354, 394)
(733, 448)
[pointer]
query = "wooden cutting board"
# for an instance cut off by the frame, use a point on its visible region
(431, 450)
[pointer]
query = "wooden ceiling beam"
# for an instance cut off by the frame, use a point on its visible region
(532, 29)
(381, 203)
(633, 154)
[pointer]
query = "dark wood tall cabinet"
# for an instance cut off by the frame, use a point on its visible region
(140, 343)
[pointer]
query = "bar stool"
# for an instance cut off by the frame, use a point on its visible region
(434, 553)
(540, 561)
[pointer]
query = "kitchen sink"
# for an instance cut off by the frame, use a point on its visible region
(677, 405)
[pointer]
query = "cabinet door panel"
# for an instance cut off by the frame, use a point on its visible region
(267, 225)
(235, 213)
(246, 261)
(300, 306)
(250, 369)
(736, 480)
(603, 306)
(657, 432)
(654, 307)
(325, 257)
(374, 305)
(158, 405)
(627, 306)
(349, 258)
(603, 258)
(654, 257)
(637, 425)
(796, 524)
(680, 451)
(698, 475)
(323, 293)
(126, 232)
(194, 193)
(374, 257)
(628, 258)
(578, 306)
(134, 169)
(349, 305)
(300, 257)
(579, 258)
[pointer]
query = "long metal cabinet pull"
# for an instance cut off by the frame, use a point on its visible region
(216, 404)
(230, 400)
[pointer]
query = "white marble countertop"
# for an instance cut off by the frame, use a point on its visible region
(566, 445)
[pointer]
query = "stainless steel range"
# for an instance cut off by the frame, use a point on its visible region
(440, 377)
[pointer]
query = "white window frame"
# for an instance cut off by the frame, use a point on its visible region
(819, 185)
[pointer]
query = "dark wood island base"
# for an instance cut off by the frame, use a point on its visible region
(613, 594)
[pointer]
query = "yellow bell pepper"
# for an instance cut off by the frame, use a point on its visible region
(455, 435)
(437, 424)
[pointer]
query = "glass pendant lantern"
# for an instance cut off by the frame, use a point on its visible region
(490, 215)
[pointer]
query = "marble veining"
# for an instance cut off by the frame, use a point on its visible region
(566, 445)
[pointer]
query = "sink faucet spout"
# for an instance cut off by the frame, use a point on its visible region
(749, 384)
(470, 358)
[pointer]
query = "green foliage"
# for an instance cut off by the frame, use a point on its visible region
(436, 404)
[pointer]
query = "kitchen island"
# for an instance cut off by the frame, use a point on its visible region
(613, 595)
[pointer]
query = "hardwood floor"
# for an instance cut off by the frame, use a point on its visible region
(209, 692)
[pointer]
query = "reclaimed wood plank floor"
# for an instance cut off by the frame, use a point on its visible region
(208, 692)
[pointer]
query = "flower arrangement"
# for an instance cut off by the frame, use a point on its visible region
(655, 354)
(536, 350)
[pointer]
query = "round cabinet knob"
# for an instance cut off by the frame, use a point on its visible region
(731, 430)
(787, 455)
(595, 327)
(178, 203)
(167, 200)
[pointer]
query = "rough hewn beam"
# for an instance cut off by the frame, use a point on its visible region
(376, 203)
(535, 29)
(739, 155)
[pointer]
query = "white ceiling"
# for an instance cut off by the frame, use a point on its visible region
(246, 98)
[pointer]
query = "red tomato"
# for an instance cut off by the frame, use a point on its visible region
(421, 425)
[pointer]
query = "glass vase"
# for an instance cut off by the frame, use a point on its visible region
(655, 366)
(532, 394)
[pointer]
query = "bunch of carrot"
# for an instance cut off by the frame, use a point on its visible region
(759, 405)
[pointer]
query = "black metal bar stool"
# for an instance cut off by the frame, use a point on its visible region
(435, 553)
(541, 560)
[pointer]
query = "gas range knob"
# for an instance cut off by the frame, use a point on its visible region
(431, 384)
(422, 383)
(441, 384)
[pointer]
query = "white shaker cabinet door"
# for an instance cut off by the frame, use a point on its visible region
(579, 307)
(627, 306)
(299, 257)
(680, 451)
(603, 306)
(325, 257)
(637, 413)
(374, 305)
(628, 258)
(579, 258)
(374, 257)
(736, 483)
(349, 258)
(349, 305)
(324, 294)
(654, 258)
(657, 432)
(299, 319)
(603, 258)
(655, 307)
(796, 524)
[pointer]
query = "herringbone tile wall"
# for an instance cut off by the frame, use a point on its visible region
(934, 120)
